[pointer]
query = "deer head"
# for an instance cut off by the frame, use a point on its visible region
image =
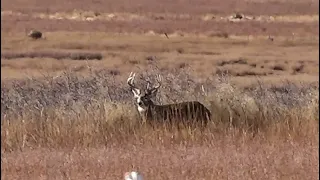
(143, 98)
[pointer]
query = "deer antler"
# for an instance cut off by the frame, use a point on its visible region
(158, 79)
(130, 82)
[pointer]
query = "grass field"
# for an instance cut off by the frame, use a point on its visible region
(67, 112)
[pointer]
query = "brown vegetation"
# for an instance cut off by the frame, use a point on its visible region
(52, 54)
(221, 29)
(35, 34)
(265, 7)
(89, 126)
(63, 117)
(120, 54)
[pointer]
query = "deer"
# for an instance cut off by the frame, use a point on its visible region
(190, 112)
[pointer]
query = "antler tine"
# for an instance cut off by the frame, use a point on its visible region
(136, 91)
(133, 76)
(148, 85)
(130, 80)
(130, 75)
(159, 79)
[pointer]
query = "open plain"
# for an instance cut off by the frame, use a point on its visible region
(67, 112)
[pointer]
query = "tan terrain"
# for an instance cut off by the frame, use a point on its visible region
(252, 42)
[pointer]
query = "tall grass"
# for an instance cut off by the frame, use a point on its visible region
(97, 110)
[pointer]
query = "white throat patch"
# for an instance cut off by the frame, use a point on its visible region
(140, 109)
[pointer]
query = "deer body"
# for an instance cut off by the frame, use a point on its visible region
(185, 112)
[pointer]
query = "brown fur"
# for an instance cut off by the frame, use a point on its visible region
(185, 112)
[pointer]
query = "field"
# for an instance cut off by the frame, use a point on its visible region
(67, 112)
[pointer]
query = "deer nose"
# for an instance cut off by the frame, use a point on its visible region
(139, 103)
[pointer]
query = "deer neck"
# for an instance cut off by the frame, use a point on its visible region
(147, 111)
(143, 110)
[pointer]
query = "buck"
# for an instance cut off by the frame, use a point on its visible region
(185, 112)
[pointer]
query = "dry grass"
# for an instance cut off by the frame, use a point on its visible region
(9, 24)
(51, 54)
(224, 157)
(278, 7)
(74, 119)
(86, 127)
(205, 55)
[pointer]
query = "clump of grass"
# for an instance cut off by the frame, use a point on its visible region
(298, 69)
(249, 73)
(260, 108)
(236, 61)
(278, 67)
(74, 55)
(218, 34)
(180, 50)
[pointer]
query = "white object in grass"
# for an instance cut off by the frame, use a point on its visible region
(132, 176)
